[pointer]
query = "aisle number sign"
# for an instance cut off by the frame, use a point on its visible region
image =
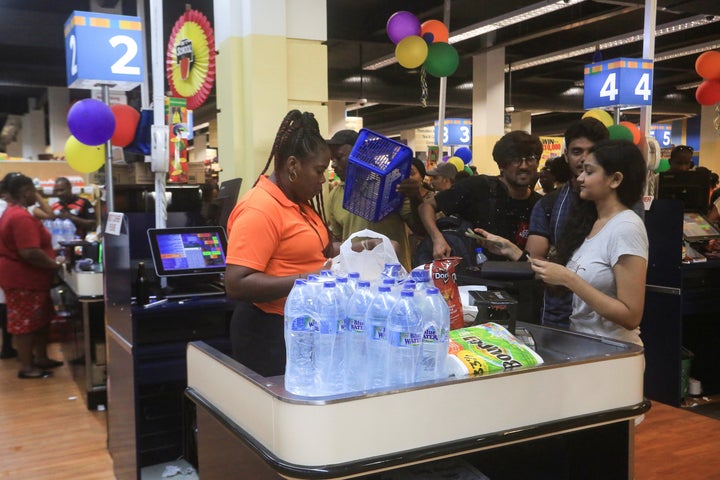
(103, 49)
(457, 131)
(618, 82)
(662, 133)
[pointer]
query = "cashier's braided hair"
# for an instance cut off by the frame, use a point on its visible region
(299, 136)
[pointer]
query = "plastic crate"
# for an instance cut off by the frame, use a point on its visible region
(375, 166)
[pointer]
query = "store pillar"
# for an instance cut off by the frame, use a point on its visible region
(488, 107)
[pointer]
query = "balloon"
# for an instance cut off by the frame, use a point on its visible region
(708, 93)
(634, 130)
(402, 24)
(126, 122)
(437, 28)
(442, 59)
(457, 163)
(664, 165)
(465, 154)
(84, 158)
(411, 51)
(91, 121)
(428, 37)
(600, 114)
(468, 170)
(707, 65)
(620, 132)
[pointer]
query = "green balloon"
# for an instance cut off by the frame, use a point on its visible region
(468, 170)
(620, 132)
(664, 165)
(442, 59)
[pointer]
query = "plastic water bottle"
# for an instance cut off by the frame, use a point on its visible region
(404, 332)
(356, 357)
(421, 279)
(376, 336)
(300, 327)
(328, 360)
(68, 230)
(353, 279)
(480, 257)
(56, 232)
(436, 325)
(392, 270)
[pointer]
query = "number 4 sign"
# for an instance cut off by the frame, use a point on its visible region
(103, 49)
(618, 82)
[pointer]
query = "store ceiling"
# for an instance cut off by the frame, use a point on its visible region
(32, 55)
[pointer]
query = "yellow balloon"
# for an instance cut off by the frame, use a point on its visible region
(600, 114)
(412, 51)
(84, 158)
(457, 163)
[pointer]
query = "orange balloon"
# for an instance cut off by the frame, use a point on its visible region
(707, 65)
(435, 27)
(633, 129)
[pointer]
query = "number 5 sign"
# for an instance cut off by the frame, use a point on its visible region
(621, 81)
(103, 49)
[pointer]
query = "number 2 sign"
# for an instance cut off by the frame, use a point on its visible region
(102, 48)
(621, 81)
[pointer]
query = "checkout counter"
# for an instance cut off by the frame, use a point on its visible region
(84, 304)
(571, 417)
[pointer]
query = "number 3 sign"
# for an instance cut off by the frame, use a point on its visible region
(621, 81)
(102, 48)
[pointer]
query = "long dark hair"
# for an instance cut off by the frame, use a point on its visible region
(613, 156)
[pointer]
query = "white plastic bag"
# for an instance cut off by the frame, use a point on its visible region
(369, 263)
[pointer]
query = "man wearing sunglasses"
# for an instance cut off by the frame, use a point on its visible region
(500, 204)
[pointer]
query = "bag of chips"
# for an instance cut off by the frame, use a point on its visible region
(488, 348)
(442, 276)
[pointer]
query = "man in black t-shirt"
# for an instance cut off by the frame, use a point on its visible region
(501, 204)
(79, 210)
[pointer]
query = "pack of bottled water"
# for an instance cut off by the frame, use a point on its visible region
(346, 334)
(61, 230)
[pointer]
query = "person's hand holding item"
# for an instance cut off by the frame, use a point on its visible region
(552, 273)
(441, 249)
(498, 245)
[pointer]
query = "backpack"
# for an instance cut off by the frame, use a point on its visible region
(453, 229)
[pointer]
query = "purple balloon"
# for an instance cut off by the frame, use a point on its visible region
(91, 122)
(402, 24)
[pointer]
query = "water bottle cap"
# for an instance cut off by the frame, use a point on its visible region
(478, 250)
(300, 281)
(383, 288)
(313, 277)
(354, 275)
(329, 284)
(388, 281)
(341, 279)
(363, 283)
(407, 293)
(326, 273)
(432, 291)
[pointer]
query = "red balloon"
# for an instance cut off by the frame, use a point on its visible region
(633, 129)
(126, 122)
(435, 27)
(708, 93)
(707, 65)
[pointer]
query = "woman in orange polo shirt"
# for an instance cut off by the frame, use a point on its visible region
(276, 236)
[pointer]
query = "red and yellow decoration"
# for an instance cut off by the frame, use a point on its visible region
(177, 120)
(190, 58)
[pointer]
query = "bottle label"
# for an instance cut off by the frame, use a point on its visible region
(377, 332)
(304, 323)
(405, 339)
(356, 325)
(430, 335)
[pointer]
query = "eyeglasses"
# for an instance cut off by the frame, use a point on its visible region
(530, 160)
(684, 148)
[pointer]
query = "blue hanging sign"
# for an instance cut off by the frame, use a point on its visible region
(103, 49)
(662, 133)
(457, 131)
(618, 82)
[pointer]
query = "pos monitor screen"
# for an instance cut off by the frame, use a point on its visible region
(692, 188)
(188, 250)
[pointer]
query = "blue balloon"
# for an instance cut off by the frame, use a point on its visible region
(428, 37)
(91, 122)
(465, 154)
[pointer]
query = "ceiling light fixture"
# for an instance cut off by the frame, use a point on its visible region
(489, 25)
(636, 36)
(688, 86)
